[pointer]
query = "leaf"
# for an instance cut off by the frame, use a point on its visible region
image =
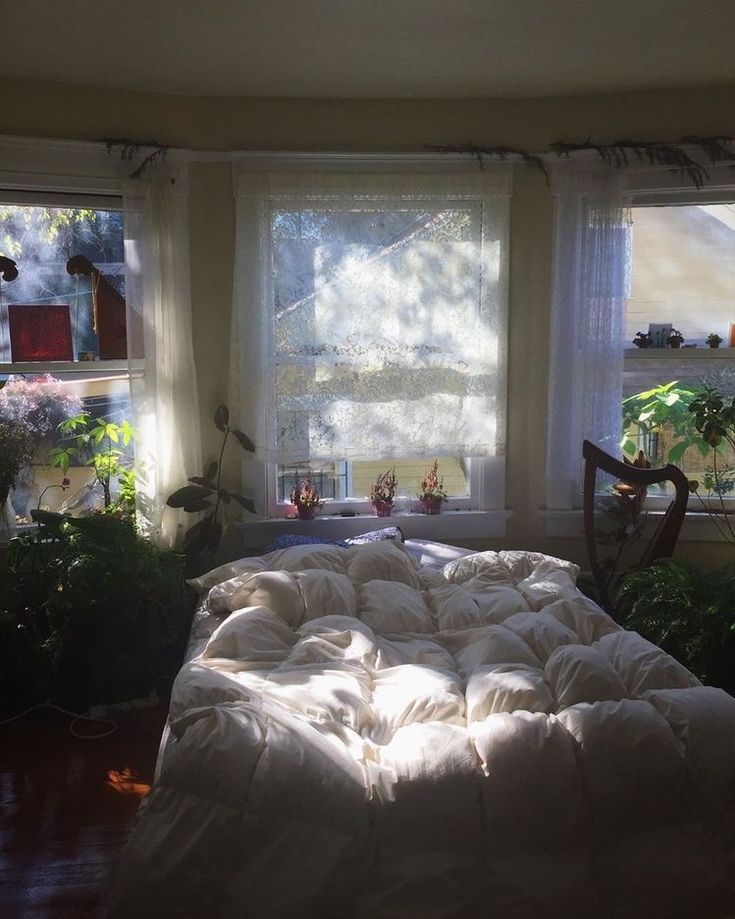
(629, 447)
(247, 503)
(677, 452)
(222, 417)
(224, 495)
(199, 505)
(205, 483)
(243, 440)
(211, 471)
(214, 536)
(202, 526)
(186, 495)
(196, 546)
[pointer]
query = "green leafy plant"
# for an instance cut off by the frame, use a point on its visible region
(205, 493)
(108, 610)
(714, 340)
(689, 612)
(663, 406)
(98, 443)
(675, 339)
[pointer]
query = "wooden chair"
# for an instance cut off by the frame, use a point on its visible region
(629, 492)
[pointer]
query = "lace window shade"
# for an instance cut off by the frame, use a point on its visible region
(590, 286)
(370, 314)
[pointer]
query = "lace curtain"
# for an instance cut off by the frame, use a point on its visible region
(370, 314)
(590, 286)
(164, 392)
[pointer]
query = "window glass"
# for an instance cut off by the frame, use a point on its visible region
(62, 342)
(683, 279)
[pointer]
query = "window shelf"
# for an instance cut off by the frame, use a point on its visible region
(445, 526)
(675, 354)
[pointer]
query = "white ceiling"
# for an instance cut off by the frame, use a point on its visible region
(370, 48)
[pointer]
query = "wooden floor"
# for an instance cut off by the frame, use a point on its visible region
(66, 808)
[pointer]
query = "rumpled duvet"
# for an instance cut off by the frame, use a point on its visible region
(360, 737)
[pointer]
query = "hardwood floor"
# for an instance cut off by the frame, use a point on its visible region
(66, 808)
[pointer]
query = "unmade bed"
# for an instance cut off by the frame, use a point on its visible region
(358, 734)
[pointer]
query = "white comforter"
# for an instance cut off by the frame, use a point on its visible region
(363, 738)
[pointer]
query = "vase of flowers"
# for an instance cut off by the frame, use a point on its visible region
(383, 493)
(432, 490)
(305, 498)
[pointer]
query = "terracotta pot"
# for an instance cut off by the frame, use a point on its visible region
(383, 508)
(431, 505)
(306, 513)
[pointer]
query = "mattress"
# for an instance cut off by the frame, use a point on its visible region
(358, 734)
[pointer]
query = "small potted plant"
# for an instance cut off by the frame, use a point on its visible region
(383, 492)
(675, 339)
(432, 490)
(305, 498)
(714, 340)
(642, 340)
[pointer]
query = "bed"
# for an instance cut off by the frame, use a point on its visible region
(390, 730)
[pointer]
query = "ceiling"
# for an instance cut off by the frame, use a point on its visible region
(372, 48)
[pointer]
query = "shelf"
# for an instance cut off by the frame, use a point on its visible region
(675, 354)
(87, 367)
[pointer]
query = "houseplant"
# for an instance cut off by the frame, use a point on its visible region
(206, 494)
(675, 339)
(714, 340)
(383, 492)
(432, 492)
(642, 340)
(305, 498)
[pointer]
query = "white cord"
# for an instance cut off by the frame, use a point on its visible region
(112, 726)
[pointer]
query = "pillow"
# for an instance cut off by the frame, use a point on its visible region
(293, 539)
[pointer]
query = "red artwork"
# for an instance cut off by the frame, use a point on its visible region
(40, 333)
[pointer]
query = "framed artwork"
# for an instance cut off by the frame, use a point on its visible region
(40, 332)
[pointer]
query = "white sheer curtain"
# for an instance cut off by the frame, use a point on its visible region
(163, 376)
(590, 285)
(370, 313)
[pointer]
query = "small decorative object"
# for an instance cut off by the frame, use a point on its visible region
(675, 339)
(658, 332)
(714, 340)
(642, 340)
(383, 492)
(432, 490)
(305, 498)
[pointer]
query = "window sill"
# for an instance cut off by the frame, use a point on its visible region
(445, 526)
(697, 526)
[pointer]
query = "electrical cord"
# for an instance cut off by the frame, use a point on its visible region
(75, 716)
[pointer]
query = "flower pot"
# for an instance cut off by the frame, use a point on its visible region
(306, 513)
(431, 505)
(714, 345)
(383, 508)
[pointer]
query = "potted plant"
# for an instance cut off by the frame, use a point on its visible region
(305, 498)
(675, 339)
(432, 490)
(383, 492)
(714, 340)
(205, 493)
(642, 340)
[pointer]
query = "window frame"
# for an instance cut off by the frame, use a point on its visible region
(645, 187)
(485, 503)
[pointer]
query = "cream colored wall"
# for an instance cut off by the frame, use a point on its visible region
(278, 124)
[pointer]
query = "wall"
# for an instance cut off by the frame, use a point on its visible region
(48, 110)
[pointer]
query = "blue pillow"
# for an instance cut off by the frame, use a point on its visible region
(293, 539)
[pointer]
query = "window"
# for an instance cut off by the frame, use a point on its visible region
(63, 341)
(631, 248)
(682, 277)
(373, 325)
